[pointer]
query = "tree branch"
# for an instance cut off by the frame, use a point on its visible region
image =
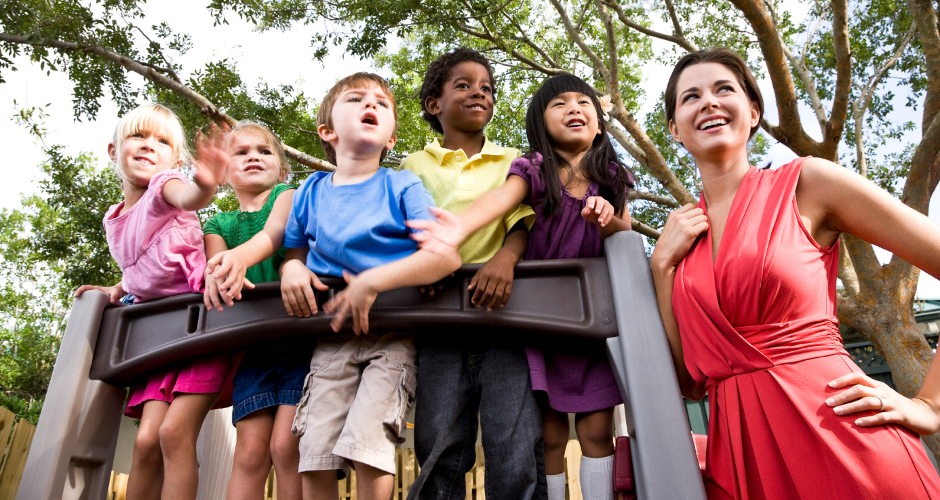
(860, 105)
(654, 162)
(205, 106)
(790, 129)
(576, 38)
(864, 260)
(629, 145)
(925, 16)
(541, 68)
(644, 229)
(678, 39)
(655, 198)
(808, 82)
(525, 39)
(832, 134)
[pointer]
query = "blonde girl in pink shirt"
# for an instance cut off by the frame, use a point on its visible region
(155, 237)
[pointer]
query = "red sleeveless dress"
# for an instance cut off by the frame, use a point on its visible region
(759, 328)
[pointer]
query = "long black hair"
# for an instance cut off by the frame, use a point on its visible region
(596, 162)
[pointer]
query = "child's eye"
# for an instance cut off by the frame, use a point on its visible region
(729, 88)
(688, 96)
(164, 141)
(137, 135)
(384, 104)
(486, 88)
(354, 98)
(463, 85)
(266, 152)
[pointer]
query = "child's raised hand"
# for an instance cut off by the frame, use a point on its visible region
(597, 211)
(211, 157)
(356, 300)
(113, 292)
(441, 235)
(297, 284)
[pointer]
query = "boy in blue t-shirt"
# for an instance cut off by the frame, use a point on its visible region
(351, 222)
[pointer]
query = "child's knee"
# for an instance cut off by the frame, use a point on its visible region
(555, 439)
(173, 437)
(147, 444)
(284, 448)
(252, 454)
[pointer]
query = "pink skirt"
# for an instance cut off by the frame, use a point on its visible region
(207, 375)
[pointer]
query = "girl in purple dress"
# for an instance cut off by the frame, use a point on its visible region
(578, 187)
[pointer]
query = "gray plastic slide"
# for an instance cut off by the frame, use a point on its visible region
(664, 461)
(107, 347)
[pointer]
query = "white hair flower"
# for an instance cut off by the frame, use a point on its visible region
(606, 106)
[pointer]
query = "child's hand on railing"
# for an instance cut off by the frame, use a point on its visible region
(492, 284)
(297, 284)
(355, 300)
(597, 211)
(113, 292)
(441, 235)
(227, 278)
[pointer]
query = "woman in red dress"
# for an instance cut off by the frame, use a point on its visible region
(746, 286)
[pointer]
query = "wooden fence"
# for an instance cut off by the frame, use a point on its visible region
(407, 472)
(15, 440)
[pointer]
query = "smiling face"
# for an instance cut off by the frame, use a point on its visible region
(254, 165)
(571, 122)
(142, 155)
(363, 122)
(466, 101)
(713, 114)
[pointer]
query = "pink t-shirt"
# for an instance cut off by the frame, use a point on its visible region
(158, 246)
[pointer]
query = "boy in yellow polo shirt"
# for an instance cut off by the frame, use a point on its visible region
(462, 375)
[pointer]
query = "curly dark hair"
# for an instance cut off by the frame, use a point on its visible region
(439, 71)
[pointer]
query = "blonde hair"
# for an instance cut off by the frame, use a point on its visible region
(154, 118)
(266, 134)
(355, 81)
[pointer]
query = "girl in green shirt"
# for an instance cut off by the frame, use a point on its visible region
(269, 381)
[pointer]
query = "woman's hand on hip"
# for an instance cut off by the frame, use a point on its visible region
(867, 394)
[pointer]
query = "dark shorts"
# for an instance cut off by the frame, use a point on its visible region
(267, 378)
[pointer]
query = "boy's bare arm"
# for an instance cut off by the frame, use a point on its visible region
(419, 268)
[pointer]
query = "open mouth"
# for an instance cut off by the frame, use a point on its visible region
(716, 122)
(370, 119)
(479, 107)
(253, 168)
(575, 123)
(145, 160)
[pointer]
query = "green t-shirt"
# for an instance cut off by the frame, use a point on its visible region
(238, 227)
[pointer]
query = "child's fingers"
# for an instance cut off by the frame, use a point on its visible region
(497, 296)
(362, 320)
(506, 294)
(224, 267)
(606, 214)
(591, 203)
(316, 284)
(339, 317)
(419, 223)
(247, 284)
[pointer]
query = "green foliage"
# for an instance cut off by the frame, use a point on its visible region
(50, 247)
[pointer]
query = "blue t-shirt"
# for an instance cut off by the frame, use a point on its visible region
(358, 226)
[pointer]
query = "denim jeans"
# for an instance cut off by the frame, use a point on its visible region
(455, 382)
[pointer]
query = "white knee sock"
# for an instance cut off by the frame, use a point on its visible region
(556, 486)
(597, 478)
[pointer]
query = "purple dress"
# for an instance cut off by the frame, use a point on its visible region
(575, 375)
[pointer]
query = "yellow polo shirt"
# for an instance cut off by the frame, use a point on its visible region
(456, 181)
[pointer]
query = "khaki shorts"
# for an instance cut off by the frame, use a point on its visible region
(356, 401)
